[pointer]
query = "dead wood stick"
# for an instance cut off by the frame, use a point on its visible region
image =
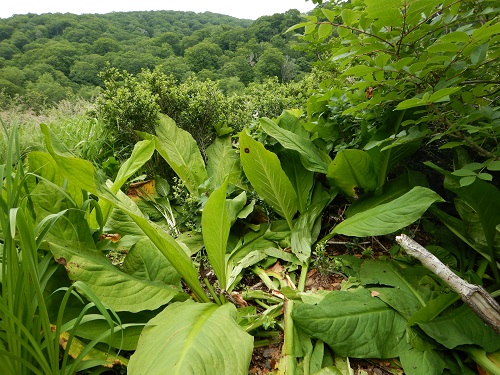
(475, 296)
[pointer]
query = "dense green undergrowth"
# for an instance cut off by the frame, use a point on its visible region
(163, 278)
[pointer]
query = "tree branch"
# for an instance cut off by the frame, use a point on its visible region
(475, 296)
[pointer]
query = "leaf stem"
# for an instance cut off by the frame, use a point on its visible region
(212, 291)
(479, 356)
(303, 276)
(263, 276)
(267, 316)
(287, 363)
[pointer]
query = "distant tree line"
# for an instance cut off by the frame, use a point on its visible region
(50, 57)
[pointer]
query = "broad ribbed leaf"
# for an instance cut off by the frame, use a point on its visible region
(389, 217)
(145, 262)
(416, 362)
(406, 295)
(314, 160)
(290, 120)
(124, 339)
(263, 170)
(352, 171)
(169, 248)
(181, 152)
(302, 179)
(223, 162)
(193, 338)
(392, 190)
(42, 164)
(354, 325)
(78, 171)
(461, 327)
(120, 291)
(393, 274)
(215, 225)
(142, 152)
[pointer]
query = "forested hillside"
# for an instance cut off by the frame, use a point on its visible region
(50, 57)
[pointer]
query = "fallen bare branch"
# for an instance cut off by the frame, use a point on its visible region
(475, 296)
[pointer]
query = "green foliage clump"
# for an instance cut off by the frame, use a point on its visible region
(132, 103)
(437, 65)
(127, 105)
(198, 107)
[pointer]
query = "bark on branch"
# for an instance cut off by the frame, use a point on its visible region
(475, 296)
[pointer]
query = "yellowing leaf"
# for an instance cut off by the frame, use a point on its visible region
(108, 358)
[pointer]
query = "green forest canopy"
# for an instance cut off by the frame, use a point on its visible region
(55, 56)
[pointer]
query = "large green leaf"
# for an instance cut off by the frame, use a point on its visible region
(42, 164)
(145, 262)
(416, 362)
(391, 273)
(215, 225)
(168, 247)
(352, 171)
(263, 170)
(223, 162)
(125, 339)
(193, 338)
(461, 327)
(142, 152)
(389, 217)
(49, 199)
(78, 171)
(118, 290)
(354, 325)
(406, 282)
(314, 160)
(391, 190)
(181, 152)
(290, 120)
(302, 179)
